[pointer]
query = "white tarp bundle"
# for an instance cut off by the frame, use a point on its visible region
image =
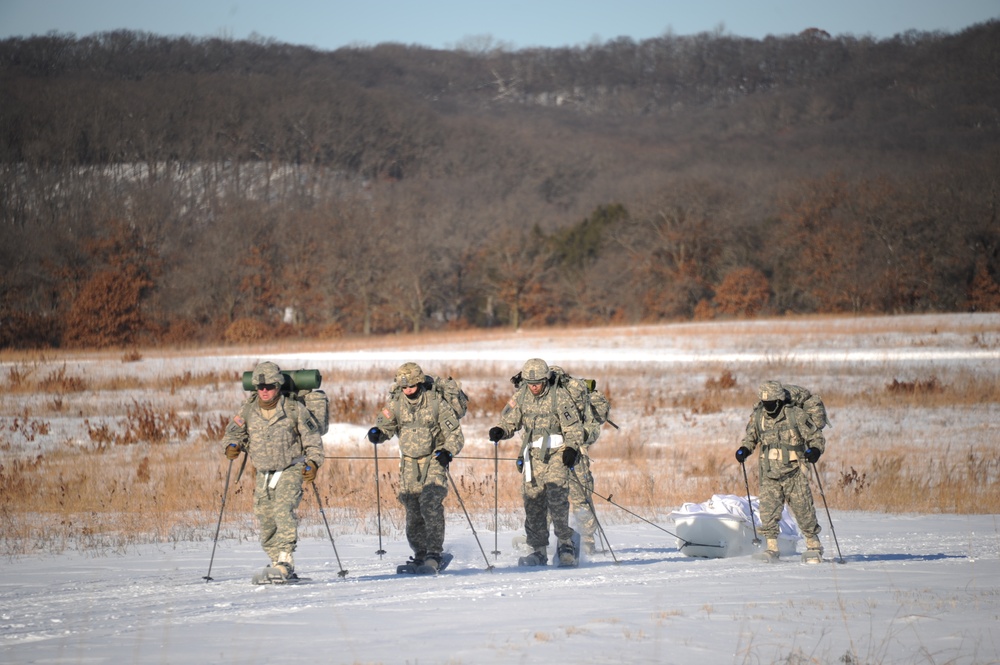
(721, 527)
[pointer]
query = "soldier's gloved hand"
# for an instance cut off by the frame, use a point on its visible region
(309, 471)
(496, 433)
(570, 456)
(742, 454)
(375, 435)
(443, 457)
(232, 451)
(812, 455)
(520, 465)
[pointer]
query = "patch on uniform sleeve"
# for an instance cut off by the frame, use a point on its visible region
(451, 424)
(238, 419)
(311, 424)
(387, 413)
(512, 403)
(568, 416)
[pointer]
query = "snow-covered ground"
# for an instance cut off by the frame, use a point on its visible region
(912, 588)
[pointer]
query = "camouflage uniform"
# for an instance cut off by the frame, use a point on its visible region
(279, 441)
(783, 438)
(425, 423)
(549, 422)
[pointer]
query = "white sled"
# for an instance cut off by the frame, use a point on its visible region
(720, 528)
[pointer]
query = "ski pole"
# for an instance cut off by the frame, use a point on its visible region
(458, 496)
(746, 481)
(319, 502)
(215, 541)
(593, 512)
(496, 500)
(829, 519)
(378, 505)
(686, 542)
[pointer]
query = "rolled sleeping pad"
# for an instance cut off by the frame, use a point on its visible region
(299, 379)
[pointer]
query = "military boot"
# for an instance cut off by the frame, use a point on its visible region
(770, 554)
(814, 550)
(286, 565)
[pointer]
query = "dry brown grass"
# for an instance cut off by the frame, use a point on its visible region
(156, 473)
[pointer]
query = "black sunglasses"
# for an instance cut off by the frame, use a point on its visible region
(266, 386)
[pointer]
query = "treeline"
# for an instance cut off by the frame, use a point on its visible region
(171, 190)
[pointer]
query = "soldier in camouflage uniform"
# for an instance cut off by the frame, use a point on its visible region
(551, 437)
(787, 439)
(430, 435)
(284, 444)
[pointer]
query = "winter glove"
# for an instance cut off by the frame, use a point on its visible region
(309, 471)
(570, 456)
(742, 454)
(375, 435)
(496, 433)
(232, 451)
(443, 457)
(812, 455)
(520, 465)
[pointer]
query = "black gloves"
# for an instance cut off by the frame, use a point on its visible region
(309, 471)
(375, 435)
(520, 465)
(496, 433)
(232, 451)
(812, 455)
(443, 457)
(570, 456)
(742, 454)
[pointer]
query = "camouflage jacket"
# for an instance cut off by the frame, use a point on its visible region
(782, 440)
(423, 425)
(290, 436)
(552, 412)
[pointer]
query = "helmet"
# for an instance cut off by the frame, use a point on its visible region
(409, 374)
(535, 370)
(772, 391)
(267, 373)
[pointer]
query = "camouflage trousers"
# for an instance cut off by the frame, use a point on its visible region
(274, 507)
(546, 497)
(792, 489)
(423, 486)
(581, 486)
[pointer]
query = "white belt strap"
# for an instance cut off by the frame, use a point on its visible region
(546, 442)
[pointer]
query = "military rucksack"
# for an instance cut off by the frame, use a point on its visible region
(450, 391)
(808, 402)
(593, 406)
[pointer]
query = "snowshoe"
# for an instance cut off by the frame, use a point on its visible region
(424, 565)
(536, 558)
(276, 574)
(812, 556)
(767, 556)
(569, 553)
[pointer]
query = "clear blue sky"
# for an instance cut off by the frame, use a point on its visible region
(330, 24)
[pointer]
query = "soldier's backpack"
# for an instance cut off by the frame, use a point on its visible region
(450, 391)
(810, 403)
(593, 405)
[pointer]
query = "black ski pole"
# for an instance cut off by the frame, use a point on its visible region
(686, 542)
(746, 481)
(593, 512)
(215, 541)
(458, 496)
(319, 502)
(496, 500)
(829, 519)
(378, 505)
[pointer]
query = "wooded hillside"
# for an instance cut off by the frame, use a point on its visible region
(170, 190)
